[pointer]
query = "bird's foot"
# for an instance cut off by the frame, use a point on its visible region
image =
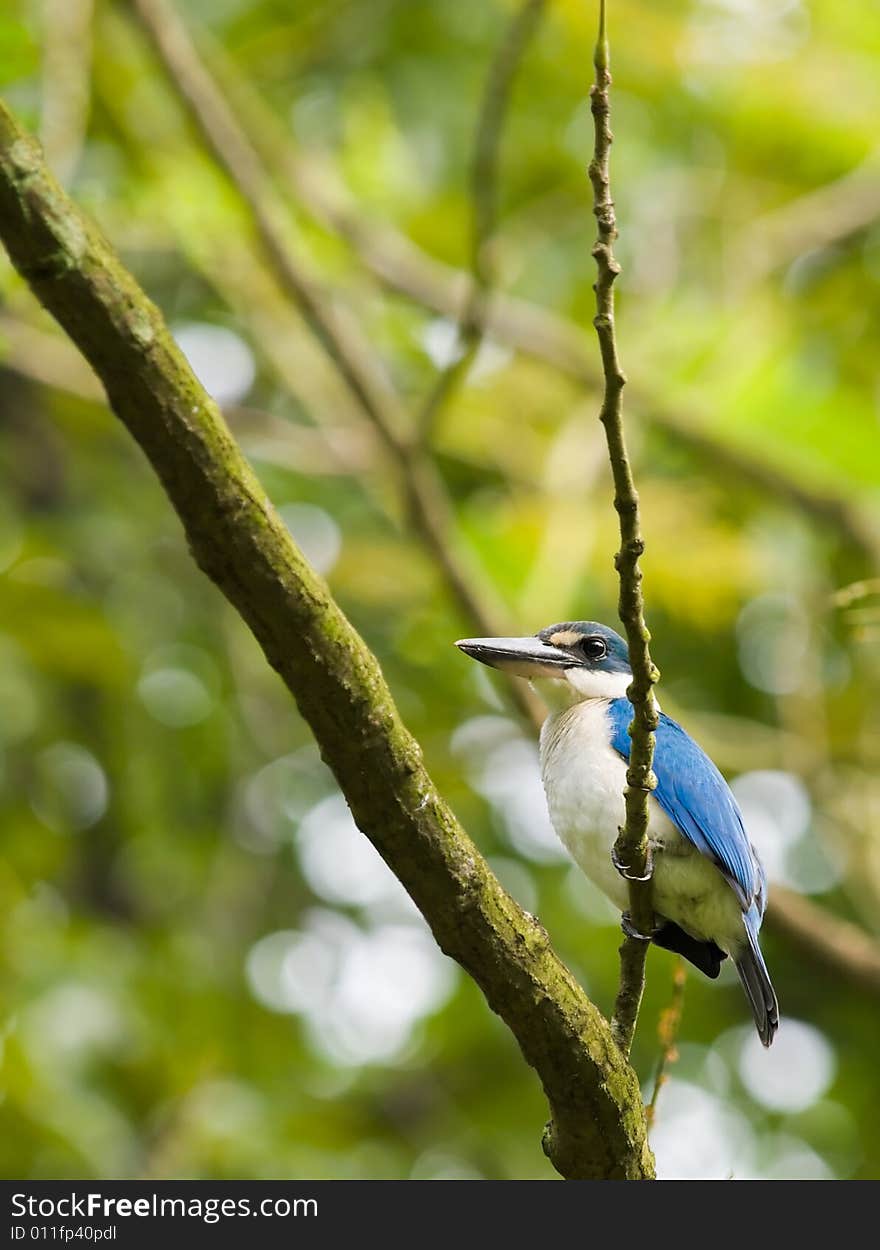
(632, 932)
(625, 872)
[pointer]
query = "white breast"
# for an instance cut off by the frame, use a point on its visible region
(584, 780)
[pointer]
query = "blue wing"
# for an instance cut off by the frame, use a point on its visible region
(695, 796)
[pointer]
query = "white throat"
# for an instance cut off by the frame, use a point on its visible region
(577, 685)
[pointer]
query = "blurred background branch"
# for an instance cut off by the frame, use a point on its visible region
(429, 506)
(406, 268)
(66, 85)
(484, 192)
(809, 223)
(842, 947)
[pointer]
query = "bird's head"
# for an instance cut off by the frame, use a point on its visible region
(568, 663)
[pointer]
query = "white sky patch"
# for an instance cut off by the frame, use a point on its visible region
(490, 359)
(388, 981)
(776, 809)
(441, 339)
(292, 971)
(475, 738)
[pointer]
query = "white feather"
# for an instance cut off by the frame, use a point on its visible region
(584, 780)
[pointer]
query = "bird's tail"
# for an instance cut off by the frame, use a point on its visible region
(756, 983)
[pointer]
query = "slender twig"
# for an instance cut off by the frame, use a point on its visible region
(428, 501)
(631, 848)
(667, 1034)
(484, 202)
(239, 541)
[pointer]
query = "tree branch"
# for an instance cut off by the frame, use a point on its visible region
(598, 1126)
(631, 848)
(426, 496)
(839, 945)
(820, 218)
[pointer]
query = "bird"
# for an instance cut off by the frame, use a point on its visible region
(709, 890)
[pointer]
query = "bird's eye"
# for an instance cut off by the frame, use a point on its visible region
(594, 648)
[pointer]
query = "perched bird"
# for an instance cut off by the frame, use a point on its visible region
(709, 888)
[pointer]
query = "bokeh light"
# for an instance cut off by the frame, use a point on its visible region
(220, 359)
(361, 992)
(69, 790)
(795, 1073)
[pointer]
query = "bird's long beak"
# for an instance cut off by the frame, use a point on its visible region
(524, 657)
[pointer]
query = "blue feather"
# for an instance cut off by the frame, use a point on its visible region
(694, 795)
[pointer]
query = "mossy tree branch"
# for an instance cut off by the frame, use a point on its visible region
(598, 1124)
(631, 848)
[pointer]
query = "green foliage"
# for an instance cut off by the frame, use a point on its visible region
(204, 970)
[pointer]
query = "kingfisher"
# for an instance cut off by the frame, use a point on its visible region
(709, 887)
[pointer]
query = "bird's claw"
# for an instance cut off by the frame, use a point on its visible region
(632, 932)
(625, 872)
